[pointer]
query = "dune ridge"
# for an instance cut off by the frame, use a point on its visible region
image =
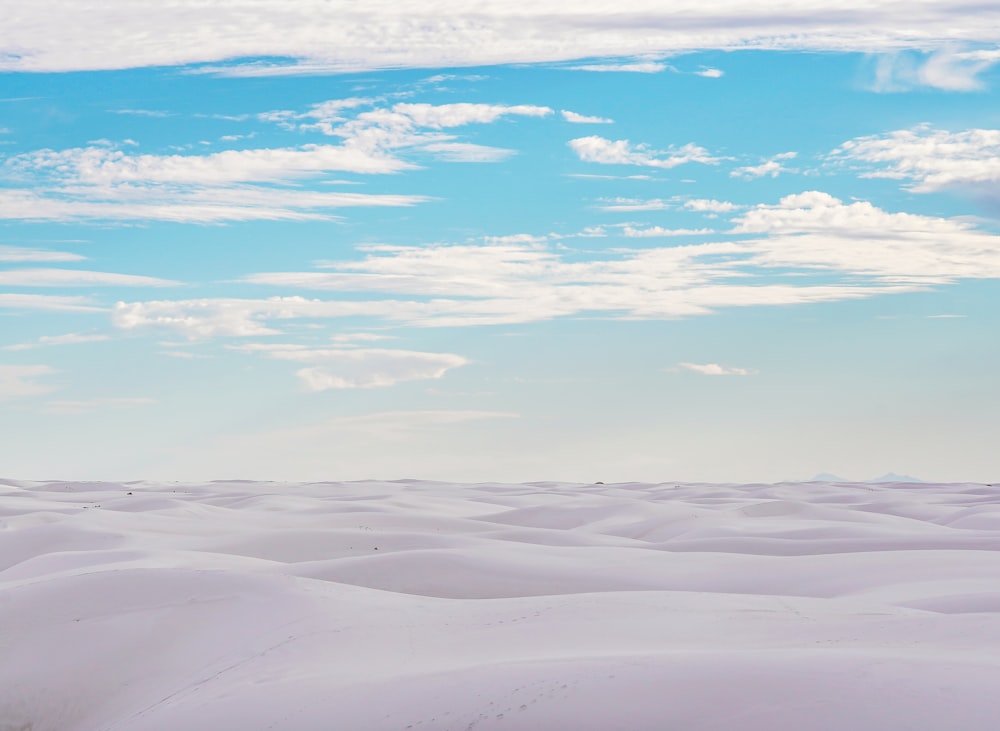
(371, 606)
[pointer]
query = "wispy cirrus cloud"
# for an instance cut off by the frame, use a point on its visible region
(17, 381)
(632, 67)
(86, 406)
(714, 369)
(106, 182)
(772, 255)
(575, 118)
(21, 254)
(50, 35)
(635, 204)
(660, 231)
(48, 303)
(348, 367)
(951, 68)
(622, 152)
(67, 339)
(77, 278)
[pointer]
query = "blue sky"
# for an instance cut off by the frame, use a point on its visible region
(535, 243)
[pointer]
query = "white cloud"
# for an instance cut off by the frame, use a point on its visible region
(77, 278)
(102, 182)
(17, 381)
(88, 405)
(771, 256)
(515, 239)
(634, 204)
(710, 73)
(930, 159)
(350, 339)
(584, 119)
(184, 355)
(622, 152)
(142, 112)
(67, 339)
(467, 152)
(772, 167)
(455, 115)
(183, 203)
(634, 67)
(714, 369)
(816, 231)
(949, 68)
(52, 35)
(708, 205)
(20, 254)
(105, 166)
(44, 302)
(338, 368)
(592, 176)
(658, 231)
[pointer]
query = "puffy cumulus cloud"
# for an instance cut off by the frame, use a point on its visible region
(708, 205)
(714, 369)
(771, 167)
(710, 73)
(814, 230)
(817, 212)
(622, 152)
(929, 158)
(77, 278)
(317, 36)
(17, 381)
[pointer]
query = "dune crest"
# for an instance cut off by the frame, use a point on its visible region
(371, 606)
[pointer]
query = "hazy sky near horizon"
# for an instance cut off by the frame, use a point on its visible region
(500, 241)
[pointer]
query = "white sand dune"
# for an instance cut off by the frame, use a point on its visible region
(371, 606)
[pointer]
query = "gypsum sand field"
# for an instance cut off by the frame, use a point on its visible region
(365, 606)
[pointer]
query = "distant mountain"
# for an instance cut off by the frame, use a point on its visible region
(888, 477)
(893, 477)
(827, 477)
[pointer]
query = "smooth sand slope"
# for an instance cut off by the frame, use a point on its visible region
(370, 606)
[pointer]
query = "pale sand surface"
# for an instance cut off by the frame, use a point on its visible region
(370, 606)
